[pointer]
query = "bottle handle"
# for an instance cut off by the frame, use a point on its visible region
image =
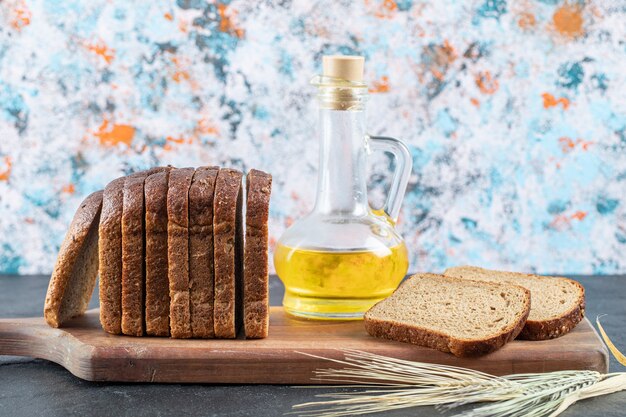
(404, 165)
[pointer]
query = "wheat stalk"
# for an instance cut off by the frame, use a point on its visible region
(392, 384)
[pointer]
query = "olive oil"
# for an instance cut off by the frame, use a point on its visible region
(344, 256)
(342, 285)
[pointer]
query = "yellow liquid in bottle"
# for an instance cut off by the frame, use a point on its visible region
(338, 285)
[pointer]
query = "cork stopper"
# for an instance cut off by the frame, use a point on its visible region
(347, 67)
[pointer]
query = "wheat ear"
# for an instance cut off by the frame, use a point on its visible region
(396, 384)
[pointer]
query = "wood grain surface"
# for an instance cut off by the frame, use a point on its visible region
(84, 349)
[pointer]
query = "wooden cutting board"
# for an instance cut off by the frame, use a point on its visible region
(90, 353)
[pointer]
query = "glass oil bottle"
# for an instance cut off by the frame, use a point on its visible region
(344, 256)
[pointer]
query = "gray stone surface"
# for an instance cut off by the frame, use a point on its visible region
(30, 387)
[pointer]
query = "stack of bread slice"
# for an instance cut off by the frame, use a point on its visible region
(170, 250)
(471, 311)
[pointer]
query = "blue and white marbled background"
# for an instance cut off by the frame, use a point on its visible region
(515, 113)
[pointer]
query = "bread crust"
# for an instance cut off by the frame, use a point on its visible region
(157, 308)
(255, 263)
(437, 340)
(78, 250)
(542, 329)
(110, 257)
(178, 251)
(201, 274)
(227, 235)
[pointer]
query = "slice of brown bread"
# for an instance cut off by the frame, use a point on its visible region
(157, 284)
(178, 251)
(201, 275)
(463, 317)
(558, 304)
(255, 261)
(76, 269)
(228, 248)
(133, 253)
(110, 256)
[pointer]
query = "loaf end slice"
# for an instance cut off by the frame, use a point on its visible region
(453, 315)
(178, 251)
(76, 269)
(558, 304)
(255, 263)
(228, 248)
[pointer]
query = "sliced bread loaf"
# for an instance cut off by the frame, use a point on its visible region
(76, 269)
(453, 315)
(157, 309)
(201, 275)
(110, 257)
(178, 251)
(255, 261)
(228, 250)
(558, 304)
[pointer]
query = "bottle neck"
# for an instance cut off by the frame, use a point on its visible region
(341, 187)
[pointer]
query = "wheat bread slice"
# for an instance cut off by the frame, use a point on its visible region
(466, 318)
(133, 253)
(178, 251)
(110, 257)
(228, 251)
(201, 274)
(74, 276)
(157, 308)
(255, 261)
(558, 304)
